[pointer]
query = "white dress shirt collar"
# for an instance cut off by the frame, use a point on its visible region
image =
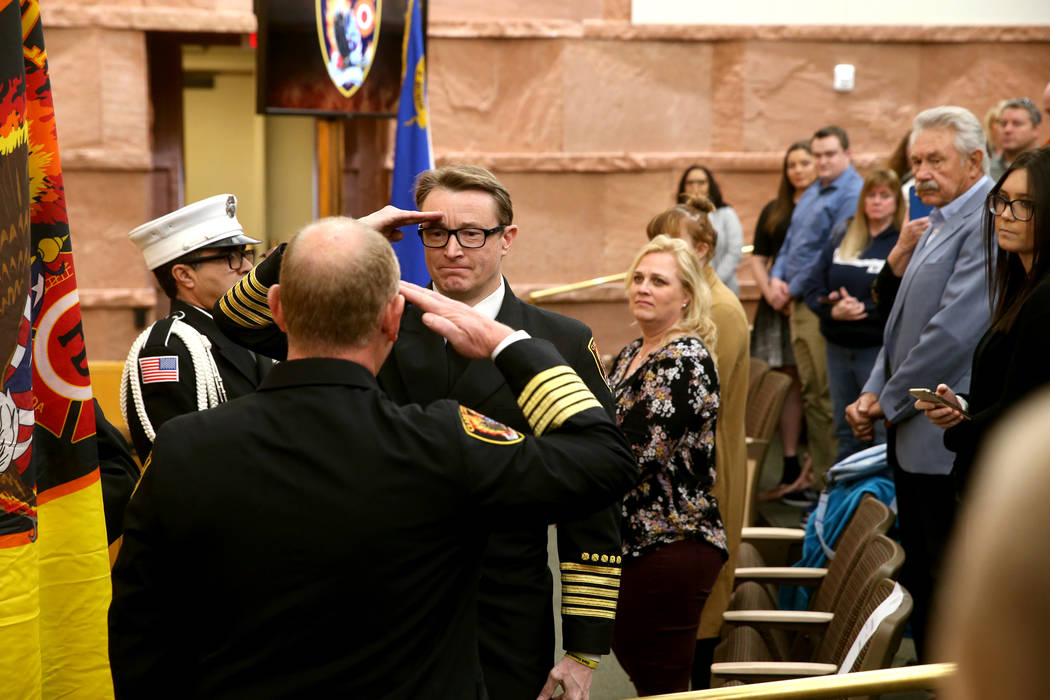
(490, 305)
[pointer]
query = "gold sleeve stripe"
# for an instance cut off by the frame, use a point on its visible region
(574, 600)
(553, 390)
(248, 296)
(569, 411)
(590, 590)
(237, 314)
(556, 400)
(255, 311)
(585, 612)
(253, 289)
(552, 397)
(583, 578)
(244, 313)
(591, 569)
(527, 398)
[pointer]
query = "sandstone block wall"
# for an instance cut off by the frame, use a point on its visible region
(99, 75)
(588, 118)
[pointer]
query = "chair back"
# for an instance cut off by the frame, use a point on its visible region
(871, 517)
(880, 558)
(756, 370)
(767, 390)
(878, 629)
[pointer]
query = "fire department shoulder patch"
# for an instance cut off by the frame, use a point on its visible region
(593, 347)
(485, 429)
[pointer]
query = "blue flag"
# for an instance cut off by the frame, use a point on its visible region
(412, 151)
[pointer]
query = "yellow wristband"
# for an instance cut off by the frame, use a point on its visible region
(589, 663)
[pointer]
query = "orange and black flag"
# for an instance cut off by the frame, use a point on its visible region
(54, 564)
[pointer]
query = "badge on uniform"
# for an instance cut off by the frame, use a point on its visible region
(485, 429)
(164, 368)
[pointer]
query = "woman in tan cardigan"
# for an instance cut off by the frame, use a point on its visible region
(689, 221)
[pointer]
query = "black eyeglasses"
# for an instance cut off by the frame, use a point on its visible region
(466, 237)
(234, 258)
(1021, 209)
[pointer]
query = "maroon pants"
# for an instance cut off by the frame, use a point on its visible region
(662, 595)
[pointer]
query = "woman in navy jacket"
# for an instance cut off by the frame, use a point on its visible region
(839, 292)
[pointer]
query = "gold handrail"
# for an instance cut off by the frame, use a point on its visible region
(595, 282)
(562, 289)
(845, 685)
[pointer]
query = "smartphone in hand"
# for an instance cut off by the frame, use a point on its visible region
(934, 397)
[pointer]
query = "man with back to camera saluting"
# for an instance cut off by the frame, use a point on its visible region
(317, 509)
(464, 249)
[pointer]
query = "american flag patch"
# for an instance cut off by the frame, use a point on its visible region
(159, 369)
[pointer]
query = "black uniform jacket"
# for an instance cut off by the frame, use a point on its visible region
(117, 471)
(241, 371)
(516, 628)
(316, 539)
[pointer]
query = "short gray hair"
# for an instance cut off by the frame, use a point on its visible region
(969, 135)
(1025, 104)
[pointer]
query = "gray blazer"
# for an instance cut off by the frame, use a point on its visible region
(941, 310)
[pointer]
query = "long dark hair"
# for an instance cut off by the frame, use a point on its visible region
(784, 204)
(713, 191)
(1011, 285)
(898, 161)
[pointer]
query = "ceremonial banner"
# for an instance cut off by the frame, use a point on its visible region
(54, 564)
(412, 150)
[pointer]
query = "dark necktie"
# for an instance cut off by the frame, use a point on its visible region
(456, 364)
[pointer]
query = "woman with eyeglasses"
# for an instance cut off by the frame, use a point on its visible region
(1010, 361)
(698, 181)
(667, 398)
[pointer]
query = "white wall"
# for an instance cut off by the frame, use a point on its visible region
(894, 12)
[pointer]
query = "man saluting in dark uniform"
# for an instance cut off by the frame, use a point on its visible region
(184, 363)
(316, 539)
(464, 252)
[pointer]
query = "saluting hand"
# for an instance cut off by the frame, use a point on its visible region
(471, 334)
(389, 219)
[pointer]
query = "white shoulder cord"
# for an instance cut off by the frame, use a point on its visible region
(210, 390)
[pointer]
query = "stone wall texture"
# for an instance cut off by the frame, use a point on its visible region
(588, 119)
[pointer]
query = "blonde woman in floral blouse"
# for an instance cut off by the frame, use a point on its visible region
(666, 391)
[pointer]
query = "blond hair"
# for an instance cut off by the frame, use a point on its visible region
(696, 318)
(463, 178)
(858, 236)
(333, 292)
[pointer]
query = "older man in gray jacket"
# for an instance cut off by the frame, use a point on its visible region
(941, 310)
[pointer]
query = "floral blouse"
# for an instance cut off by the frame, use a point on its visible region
(667, 411)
